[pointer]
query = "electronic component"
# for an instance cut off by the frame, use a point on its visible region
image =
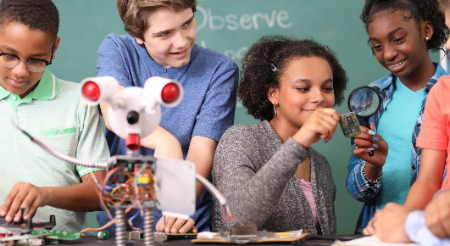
(24, 232)
(243, 229)
(242, 233)
(350, 125)
(103, 235)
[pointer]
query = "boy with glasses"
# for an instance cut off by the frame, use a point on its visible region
(48, 108)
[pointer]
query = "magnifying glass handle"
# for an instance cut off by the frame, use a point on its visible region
(366, 123)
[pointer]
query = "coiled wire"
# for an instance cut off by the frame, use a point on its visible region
(61, 156)
(211, 188)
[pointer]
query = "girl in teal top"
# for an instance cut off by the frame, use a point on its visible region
(400, 33)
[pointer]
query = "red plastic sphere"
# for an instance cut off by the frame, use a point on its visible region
(170, 93)
(91, 90)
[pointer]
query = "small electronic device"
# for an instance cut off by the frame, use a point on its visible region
(24, 232)
(350, 125)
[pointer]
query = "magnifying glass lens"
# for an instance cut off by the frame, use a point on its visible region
(364, 102)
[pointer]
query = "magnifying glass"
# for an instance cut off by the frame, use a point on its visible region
(364, 101)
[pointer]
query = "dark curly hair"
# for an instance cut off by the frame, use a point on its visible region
(264, 63)
(36, 14)
(421, 10)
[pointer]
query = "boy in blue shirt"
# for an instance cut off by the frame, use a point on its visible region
(48, 108)
(161, 42)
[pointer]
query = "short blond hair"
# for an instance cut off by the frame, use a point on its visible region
(135, 13)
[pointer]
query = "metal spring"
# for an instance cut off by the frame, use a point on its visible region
(149, 239)
(120, 230)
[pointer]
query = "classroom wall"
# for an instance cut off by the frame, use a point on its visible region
(230, 27)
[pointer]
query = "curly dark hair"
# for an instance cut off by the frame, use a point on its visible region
(421, 10)
(274, 53)
(36, 14)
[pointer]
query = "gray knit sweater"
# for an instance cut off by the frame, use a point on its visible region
(256, 173)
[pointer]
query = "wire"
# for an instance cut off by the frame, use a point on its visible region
(99, 190)
(105, 226)
(136, 190)
(220, 198)
(130, 222)
(61, 156)
(210, 187)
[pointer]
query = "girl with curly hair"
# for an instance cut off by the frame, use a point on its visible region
(268, 172)
(401, 32)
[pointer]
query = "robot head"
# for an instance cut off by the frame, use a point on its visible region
(133, 112)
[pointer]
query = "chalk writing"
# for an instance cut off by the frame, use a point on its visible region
(206, 19)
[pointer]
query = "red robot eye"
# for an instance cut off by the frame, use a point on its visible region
(91, 90)
(170, 93)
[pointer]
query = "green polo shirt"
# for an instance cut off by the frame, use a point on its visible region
(55, 113)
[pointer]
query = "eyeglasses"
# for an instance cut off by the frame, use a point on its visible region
(33, 64)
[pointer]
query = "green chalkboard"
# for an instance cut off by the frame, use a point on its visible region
(230, 27)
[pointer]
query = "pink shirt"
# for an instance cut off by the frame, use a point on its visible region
(308, 191)
(435, 130)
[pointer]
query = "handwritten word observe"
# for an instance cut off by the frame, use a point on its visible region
(246, 21)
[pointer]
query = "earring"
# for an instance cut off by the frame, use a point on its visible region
(426, 38)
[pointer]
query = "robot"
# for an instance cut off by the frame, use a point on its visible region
(135, 181)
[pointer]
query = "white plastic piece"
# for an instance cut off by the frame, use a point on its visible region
(131, 100)
(208, 235)
(108, 87)
(160, 237)
(175, 187)
(154, 86)
(26, 239)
